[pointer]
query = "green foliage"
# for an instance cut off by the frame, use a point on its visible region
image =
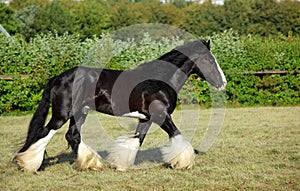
(247, 36)
(53, 17)
(43, 57)
(126, 14)
(145, 50)
(91, 18)
(7, 19)
(202, 19)
(20, 4)
(26, 18)
(95, 17)
(262, 17)
(280, 53)
(257, 17)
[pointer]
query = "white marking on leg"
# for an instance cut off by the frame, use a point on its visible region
(87, 158)
(179, 153)
(85, 109)
(31, 159)
(123, 152)
(135, 114)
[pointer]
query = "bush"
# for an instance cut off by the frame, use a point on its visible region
(43, 57)
(7, 19)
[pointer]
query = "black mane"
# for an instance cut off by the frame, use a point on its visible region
(181, 53)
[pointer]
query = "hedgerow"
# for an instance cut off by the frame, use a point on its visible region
(47, 55)
(43, 57)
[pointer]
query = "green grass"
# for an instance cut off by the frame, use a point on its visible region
(257, 149)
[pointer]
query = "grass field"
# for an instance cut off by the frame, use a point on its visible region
(257, 149)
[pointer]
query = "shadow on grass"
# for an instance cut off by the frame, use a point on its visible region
(61, 158)
(145, 158)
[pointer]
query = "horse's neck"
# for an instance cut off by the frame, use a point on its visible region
(181, 75)
(180, 60)
(173, 68)
(184, 67)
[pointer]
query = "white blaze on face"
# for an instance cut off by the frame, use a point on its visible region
(220, 71)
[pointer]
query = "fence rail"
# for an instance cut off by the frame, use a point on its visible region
(265, 72)
(12, 76)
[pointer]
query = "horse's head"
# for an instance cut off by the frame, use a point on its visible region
(206, 65)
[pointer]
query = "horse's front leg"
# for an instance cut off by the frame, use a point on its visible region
(178, 153)
(87, 158)
(123, 152)
(142, 130)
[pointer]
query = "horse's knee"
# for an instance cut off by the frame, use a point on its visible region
(157, 112)
(73, 137)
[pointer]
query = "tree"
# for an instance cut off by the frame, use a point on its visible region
(287, 17)
(7, 19)
(123, 15)
(20, 4)
(91, 18)
(262, 17)
(54, 17)
(202, 19)
(26, 19)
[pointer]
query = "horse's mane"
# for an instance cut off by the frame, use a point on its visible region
(178, 54)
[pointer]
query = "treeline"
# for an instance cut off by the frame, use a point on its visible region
(95, 17)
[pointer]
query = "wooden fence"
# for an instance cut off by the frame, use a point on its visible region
(11, 77)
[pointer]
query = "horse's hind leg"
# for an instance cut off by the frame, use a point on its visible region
(86, 157)
(30, 158)
(73, 135)
(123, 152)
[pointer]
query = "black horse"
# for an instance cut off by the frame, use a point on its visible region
(148, 92)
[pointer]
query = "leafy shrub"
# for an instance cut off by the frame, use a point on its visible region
(6, 18)
(43, 57)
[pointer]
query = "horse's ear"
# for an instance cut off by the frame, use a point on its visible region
(208, 44)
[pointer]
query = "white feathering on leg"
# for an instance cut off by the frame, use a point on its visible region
(123, 152)
(87, 158)
(179, 153)
(31, 159)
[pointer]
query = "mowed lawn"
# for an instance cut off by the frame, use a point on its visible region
(257, 149)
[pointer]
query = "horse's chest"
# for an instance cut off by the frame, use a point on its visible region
(103, 101)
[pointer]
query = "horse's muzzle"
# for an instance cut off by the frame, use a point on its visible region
(223, 87)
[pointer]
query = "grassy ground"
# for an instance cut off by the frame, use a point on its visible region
(257, 149)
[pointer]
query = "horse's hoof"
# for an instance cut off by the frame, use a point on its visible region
(179, 153)
(87, 159)
(123, 152)
(29, 161)
(185, 160)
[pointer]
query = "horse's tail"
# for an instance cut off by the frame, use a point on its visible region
(38, 120)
